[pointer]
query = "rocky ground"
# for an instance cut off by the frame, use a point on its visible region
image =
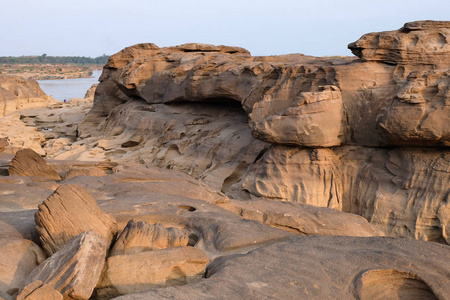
(202, 172)
(48, 71)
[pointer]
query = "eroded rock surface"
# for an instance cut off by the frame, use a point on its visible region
(26, 162)
(17, 93)
(18, 257)
(68, 212)
(140, 236)
(75, 269)
(134, 273)
(420, 42)
(323, 267)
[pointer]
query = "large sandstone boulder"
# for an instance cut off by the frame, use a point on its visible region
(17, 93)
(69, 211)
(140, 236)
(420, 42)
(139, 272)
(330, 132)
(323, 267)
(75, 269)
(18, 257)
(26, 162)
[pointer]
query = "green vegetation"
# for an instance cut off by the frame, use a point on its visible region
(44, 59)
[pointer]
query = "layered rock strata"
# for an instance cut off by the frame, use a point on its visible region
(366, 136)
(17, 93)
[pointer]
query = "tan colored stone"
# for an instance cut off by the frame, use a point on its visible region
(322, 267)
(37, 291)
(420, 42)
(140, 236)
(29, 163)
(69, 211)
(75, 269)
(18, 257)
(17, 93)
(139, 272)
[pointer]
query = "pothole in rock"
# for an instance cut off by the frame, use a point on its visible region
(187, 207)
(385, 284)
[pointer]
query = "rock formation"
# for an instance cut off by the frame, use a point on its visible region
(75, 269)
(360, 135)
(135, 273)
(323, 267)
(140, 236)
(26, 162)
(17, 93)
(68, 212)
(232, 176)
(18, 257)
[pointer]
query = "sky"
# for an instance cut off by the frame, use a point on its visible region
(264, 27)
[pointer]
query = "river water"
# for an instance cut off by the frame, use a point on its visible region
(61, 89)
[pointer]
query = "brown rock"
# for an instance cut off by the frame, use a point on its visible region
(29, 163)
(323, 267)
(303, 219)
(314, 120)
(139, 272)
(18, 257)
(17, 93)
(3, 144)
(37, 291)
(140, 236)
(75, 269)
(420, 42)
(69, 211)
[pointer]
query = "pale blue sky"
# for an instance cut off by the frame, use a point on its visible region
(92, 28)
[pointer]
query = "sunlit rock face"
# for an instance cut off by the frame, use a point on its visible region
(367, 136)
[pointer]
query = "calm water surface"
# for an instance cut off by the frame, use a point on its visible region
(61, 89)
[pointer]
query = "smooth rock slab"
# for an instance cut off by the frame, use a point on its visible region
(139, 272)
(69, 211)
(75, 269)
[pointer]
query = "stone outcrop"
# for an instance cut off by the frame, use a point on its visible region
(17, 93)
(18, 257)
(420, 42)
(26, 162)
(140, 236)
(68, 212)
(372, 127)
(323, 267)
(134, 273)
(75, 269)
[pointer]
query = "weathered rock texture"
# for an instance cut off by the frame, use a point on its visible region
(17, 93)
(140, 236)
(18, 257)
(75, 269)
(421, 42)
(135, 273)
(323, 267)
(375, 129)
(26, 162)
(69, 211)
(37, 290)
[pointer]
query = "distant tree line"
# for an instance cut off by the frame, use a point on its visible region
(45, 59)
